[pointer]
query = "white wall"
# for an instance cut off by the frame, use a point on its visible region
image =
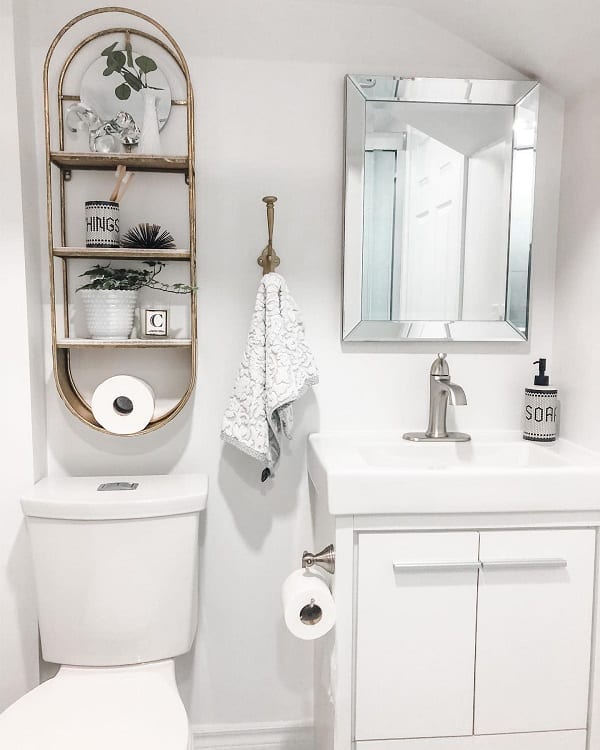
(18, 468)
(577, 352)
(268, 77)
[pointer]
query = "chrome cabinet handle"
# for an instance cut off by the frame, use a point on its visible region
(439, 567)
(529, 563)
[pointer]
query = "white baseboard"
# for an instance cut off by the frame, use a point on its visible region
(256, 736)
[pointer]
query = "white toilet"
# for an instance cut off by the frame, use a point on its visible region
(116, 570)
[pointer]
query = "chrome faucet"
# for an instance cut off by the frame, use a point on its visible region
(441, 392)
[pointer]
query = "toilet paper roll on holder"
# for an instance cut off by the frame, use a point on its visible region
(324, 559)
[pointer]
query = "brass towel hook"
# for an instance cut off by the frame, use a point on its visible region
(268, 259)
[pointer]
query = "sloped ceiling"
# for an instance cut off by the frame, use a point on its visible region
(555, 41)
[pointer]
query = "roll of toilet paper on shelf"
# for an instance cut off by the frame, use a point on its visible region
(308, 605)
(123, 404)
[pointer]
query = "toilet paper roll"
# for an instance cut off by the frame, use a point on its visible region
(123, 404)
(308, 605)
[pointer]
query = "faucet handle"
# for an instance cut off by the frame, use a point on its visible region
(440, 368)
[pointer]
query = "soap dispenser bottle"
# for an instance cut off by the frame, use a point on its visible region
(541, 408)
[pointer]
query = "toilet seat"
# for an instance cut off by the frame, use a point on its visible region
(122, 708)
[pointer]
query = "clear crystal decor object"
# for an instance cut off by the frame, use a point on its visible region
(104, 136)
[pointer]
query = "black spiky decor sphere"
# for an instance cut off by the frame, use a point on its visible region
(148, 236)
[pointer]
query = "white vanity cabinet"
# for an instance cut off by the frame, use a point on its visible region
(462, 633)
(455, 638)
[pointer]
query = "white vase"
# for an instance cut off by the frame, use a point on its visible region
(109, 312)
(150, 137)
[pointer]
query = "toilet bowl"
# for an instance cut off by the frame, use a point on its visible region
(98, 708)
(116, 571)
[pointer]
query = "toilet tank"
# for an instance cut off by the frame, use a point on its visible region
(116, 566)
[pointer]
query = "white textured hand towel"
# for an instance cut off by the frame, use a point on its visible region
(276, 369)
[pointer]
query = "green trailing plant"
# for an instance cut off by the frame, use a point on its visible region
(131, 279)
(134, 72)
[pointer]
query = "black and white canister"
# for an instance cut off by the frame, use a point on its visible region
(102, 224)
(541, 414)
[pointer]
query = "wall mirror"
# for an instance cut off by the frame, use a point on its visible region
(439, 187)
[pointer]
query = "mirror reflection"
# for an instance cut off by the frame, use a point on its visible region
(444, 175)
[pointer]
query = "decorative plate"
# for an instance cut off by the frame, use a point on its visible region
(120, 89)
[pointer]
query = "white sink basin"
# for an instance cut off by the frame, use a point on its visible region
(378, 472)
(449, 456)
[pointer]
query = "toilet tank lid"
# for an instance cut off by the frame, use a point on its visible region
(117, 497)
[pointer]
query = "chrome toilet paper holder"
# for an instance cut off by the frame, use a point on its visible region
(324, 559)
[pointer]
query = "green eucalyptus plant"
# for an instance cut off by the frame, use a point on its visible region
(134, 72)
(131, 279)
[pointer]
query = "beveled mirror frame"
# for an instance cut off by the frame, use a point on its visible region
(513, 94)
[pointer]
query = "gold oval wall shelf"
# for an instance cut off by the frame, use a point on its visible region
(61, 163)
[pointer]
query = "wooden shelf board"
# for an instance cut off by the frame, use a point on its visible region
(126, 253)
(138, 162)
(127, 344)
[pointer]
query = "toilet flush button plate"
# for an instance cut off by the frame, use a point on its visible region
(117, 486)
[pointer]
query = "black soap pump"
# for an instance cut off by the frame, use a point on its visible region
(541, 408)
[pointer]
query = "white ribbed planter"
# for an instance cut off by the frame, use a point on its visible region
(109, 312)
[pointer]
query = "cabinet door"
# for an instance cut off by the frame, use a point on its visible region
(534, 630)
(415, 639)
